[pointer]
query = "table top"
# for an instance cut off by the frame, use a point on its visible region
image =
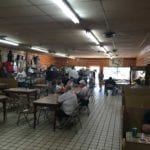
(3, 84)
(20, 90)
(3, 97)
(122, 83)
(139, 139)
(41, 85)
(51, 99)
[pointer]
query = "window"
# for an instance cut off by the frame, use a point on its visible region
(119, 73)
(79, 67)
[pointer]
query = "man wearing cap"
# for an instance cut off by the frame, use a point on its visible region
(83, 93)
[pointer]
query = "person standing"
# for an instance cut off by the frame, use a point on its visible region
(73, 74)
(100, 77)
(21, 77)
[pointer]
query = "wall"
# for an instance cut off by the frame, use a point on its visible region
(47, 59)
(129, 62)
(144, 57)
(102, 62)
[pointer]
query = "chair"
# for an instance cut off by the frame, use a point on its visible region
(91, 95)
(44, 112)
(110, 87)
(24, 109)
(74, 118)
(13, 102)
(84, 101)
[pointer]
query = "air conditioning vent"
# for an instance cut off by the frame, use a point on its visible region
(109, 34)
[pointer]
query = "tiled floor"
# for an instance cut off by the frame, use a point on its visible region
(101, 130)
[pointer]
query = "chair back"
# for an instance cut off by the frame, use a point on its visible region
(74, 117)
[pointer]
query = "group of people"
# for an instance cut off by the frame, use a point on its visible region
(73, 90)
(71, 99)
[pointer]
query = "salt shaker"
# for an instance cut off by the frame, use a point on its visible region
(142, 136)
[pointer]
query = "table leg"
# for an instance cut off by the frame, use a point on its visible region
(35, 95)
(35, 110)
(28, 98)
(4, 110)
(54, 125)
(47, 91)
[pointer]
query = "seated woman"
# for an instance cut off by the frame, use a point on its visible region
(59, 87)
(70, 82)
(83, 93)
(146, 125)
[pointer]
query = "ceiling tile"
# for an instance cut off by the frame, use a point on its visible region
(20, 11)
(13, 3)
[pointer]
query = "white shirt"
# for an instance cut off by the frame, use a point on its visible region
(69, 102)
(21, 76)
(83, 92)
(73, 73)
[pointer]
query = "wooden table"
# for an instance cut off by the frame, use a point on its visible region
(3, 86)
(48, 101)
(132, 143)
(42, 86)
(23, 91)
(3, 100)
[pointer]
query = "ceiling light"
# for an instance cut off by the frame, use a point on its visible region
(92, 37)
(60, 54)
(8, 42)
(71, 57)
(67, 10)
(103, 49)
(39, 49)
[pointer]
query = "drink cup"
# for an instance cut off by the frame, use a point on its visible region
(134, 132)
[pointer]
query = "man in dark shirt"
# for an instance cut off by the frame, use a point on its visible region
(110, 84)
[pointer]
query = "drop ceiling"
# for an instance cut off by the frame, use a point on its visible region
(42, 23)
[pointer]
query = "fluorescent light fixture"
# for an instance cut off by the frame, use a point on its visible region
(103, 49)
(71, 57)
(39, 49)
(60, 54)
(92, 37)
(67, 10)
(8, 42)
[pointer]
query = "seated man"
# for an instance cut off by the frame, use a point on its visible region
(68, 103)
(110, 84)
(146, 125)
(83, 93)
